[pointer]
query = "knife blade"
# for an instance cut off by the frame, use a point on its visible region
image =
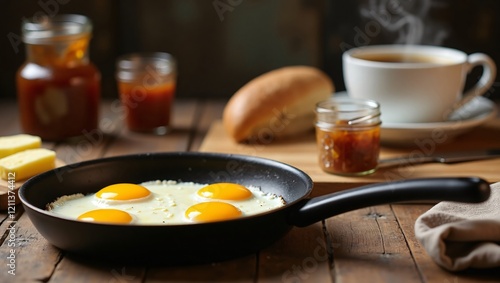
(445, 158)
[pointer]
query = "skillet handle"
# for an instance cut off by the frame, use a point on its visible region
(471, 190)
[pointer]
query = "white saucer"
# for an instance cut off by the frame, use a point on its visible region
(473, 114)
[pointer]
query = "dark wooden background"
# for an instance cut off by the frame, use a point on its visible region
(222, 44)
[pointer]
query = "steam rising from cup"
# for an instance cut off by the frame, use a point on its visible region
(408, 22)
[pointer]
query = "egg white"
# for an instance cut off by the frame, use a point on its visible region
(166, 204)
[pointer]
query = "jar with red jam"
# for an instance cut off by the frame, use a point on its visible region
(147, 83)
(348, 135)
(58, 88)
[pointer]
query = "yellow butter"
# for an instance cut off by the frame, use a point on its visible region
(27, 163)
(16, 143)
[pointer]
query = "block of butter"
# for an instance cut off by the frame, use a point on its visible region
(27, 163)
(16, 143)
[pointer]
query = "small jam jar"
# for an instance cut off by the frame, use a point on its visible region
(58, 88)
(147, 83)
(348, 135)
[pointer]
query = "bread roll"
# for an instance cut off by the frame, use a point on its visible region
(277, 104)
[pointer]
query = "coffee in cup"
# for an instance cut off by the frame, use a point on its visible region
(415, 83)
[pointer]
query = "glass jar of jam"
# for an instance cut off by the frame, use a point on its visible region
(348, 135)
(58, 88)
(147, 83)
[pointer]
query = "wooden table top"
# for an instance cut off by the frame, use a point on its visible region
(374, 244)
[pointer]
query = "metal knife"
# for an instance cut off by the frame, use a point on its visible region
(445, 157)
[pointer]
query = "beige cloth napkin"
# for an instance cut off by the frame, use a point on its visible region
(459, 236)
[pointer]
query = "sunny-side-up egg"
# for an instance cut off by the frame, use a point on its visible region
(166, 202)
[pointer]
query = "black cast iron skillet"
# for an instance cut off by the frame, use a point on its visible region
(205, 242)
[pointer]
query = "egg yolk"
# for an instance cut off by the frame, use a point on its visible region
(106, 215)
(225, 191)
(123, 192)
(212, 211)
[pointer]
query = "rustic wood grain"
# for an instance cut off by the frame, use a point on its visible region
(406, 216)
(304, 255)
(35, 258)
(238, 270)
(76, 269)
(375, 244)
(368, 244)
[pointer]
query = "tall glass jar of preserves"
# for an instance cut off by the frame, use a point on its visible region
(58, 88)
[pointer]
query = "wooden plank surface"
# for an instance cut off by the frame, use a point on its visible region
(304, 155)
(376, 243)
(35, 258)
(304, 255)
(369, 244)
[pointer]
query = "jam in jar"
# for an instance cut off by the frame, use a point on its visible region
(147, 82)
(58, 88)
(348, 136)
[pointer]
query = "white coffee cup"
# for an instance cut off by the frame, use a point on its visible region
(414, 83)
